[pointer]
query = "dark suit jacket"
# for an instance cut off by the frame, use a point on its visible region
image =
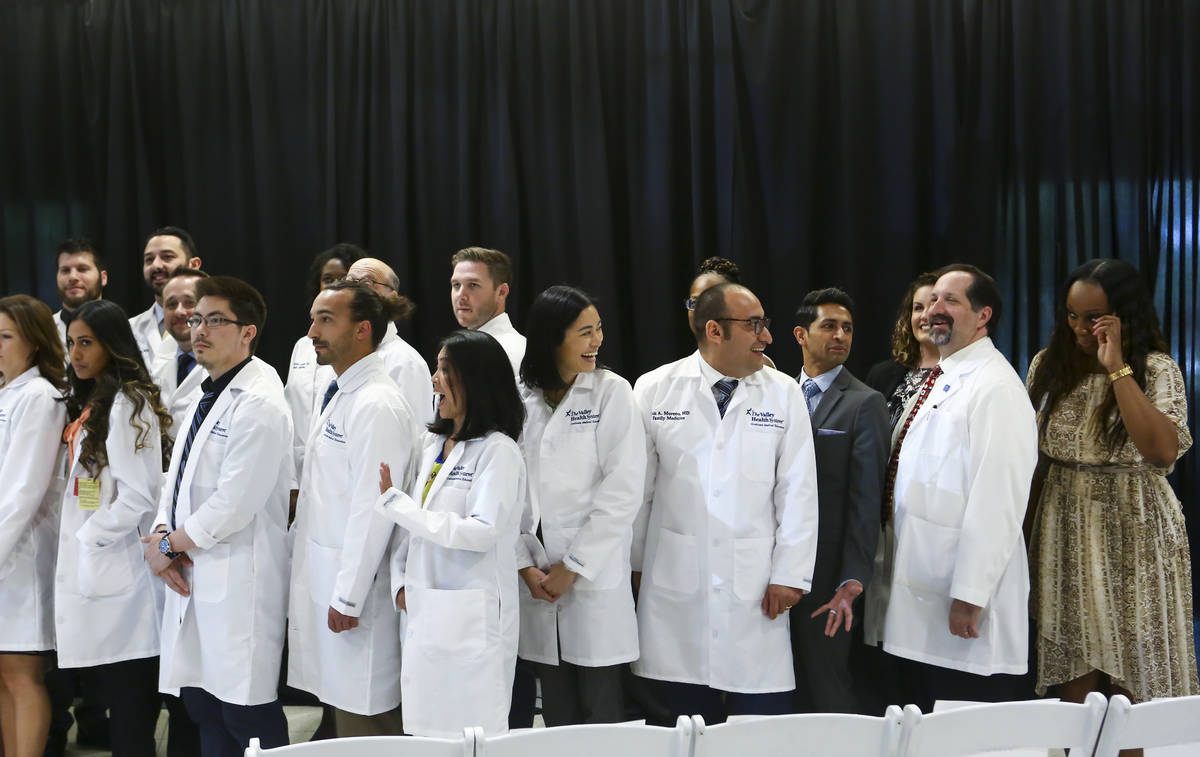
(850, 434)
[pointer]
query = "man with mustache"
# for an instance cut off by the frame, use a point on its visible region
(959, 480)
(166, 250)
(176, 372)
(81, 278)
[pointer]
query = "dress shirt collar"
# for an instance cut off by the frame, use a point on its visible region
(218, 386)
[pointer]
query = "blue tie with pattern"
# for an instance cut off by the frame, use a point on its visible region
(722, 391)
(183, 366)
(329, 392)
(206, 403)
(811, 393)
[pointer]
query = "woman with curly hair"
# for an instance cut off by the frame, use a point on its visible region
(31, 420)
(913, 354)
(1111, 584)
(107, 607)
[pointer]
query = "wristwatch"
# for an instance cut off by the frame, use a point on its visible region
(164, 546)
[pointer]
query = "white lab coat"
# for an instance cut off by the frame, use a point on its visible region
(178, 399)
(961, 490)
(501, 329)
(307, 382)
(341, 544)
(62, 329)
(227, 636)
(31, 422)
(457, 565)
(105, 606)
(587, 466)
(731, 506)
(147, 334)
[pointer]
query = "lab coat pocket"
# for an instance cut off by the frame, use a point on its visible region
(208, 468)
(210, 574)
(751, 567)
(758, 458)
(105, 571)
(323, 564)
(675, 563)
(448, 622)
(927, 555)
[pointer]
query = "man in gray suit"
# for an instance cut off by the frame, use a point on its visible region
(850, 430)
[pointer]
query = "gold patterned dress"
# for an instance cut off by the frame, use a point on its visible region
(1111, 570)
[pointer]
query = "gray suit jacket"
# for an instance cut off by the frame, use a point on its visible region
(850, 430)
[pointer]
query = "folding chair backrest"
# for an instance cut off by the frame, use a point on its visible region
(372, 746)
(1159, 723)
(626, 740)
(1004, 725)
(830, 735)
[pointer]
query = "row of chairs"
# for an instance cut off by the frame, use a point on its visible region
(1098, 726)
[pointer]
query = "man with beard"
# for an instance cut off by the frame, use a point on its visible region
(166, 250)
(81, 278)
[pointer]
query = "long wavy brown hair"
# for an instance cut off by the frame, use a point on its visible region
(1063, 365)
(905, 348)
(125, 373)
(35, 322)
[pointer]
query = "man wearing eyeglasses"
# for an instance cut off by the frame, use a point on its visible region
(727, 534)
(219, 542)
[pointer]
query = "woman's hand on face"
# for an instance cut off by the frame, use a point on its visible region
(1107, 329)
(385, 478)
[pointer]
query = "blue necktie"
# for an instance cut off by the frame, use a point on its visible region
(811, 393)
(332, 390)
(183, 366)
(206, 403)
(722, 391)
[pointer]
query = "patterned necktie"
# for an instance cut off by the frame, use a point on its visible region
(722, 391)
(894, 463)
(329, 392)
(183, 366)
(206, 403)
(811, 392)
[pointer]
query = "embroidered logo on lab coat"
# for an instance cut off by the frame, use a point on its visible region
(669, 415)
(332, 434)
(219, 431)
(460, 473)
(300, 365)
(583, 417)
(764, 419)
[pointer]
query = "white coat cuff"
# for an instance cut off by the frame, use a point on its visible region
(796, 582)
(202, 538)
(353, 609)
(88, 539)
(571, 563)
(970, 595)
(394, 500)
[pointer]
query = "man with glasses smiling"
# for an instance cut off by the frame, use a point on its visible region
(727, 535)
(220, 539)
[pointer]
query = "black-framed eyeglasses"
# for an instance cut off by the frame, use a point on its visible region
(690, 303)
(372, 282)
(758, 324)
(212, 321)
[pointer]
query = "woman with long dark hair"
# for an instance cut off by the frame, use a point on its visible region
(454, 567)
(585, 451)
(107, 607)
(31, 421)
(1112, 588)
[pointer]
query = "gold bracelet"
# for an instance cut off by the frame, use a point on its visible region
(1124, 371)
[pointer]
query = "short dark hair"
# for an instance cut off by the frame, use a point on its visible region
(981, 293)
(344, 251)
(79, 246)
(498, 264)
(367, 305)
(723, 267)
(184, 272)
(710, 306)
(807, 312)
(246, 303)
(551, 314)
(185, 239)
(480, 369)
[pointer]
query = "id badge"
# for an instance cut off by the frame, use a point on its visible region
(87, 490)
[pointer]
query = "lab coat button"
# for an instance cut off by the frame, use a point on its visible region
(716, 492)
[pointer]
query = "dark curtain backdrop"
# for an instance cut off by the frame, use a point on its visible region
(613, 145)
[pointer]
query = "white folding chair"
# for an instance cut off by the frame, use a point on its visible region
(827, 734)
(1158, 723)
(986, 728)
(373, 746)
(602, 740)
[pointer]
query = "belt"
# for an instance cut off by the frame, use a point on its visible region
(1095, 468)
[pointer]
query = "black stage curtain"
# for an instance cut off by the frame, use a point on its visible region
(613, 145)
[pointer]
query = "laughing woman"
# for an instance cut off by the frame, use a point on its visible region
(107, 610)
(31, 420)
(585, 451)
(454, 571)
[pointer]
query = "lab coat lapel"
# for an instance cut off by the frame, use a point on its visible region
(455, 455)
